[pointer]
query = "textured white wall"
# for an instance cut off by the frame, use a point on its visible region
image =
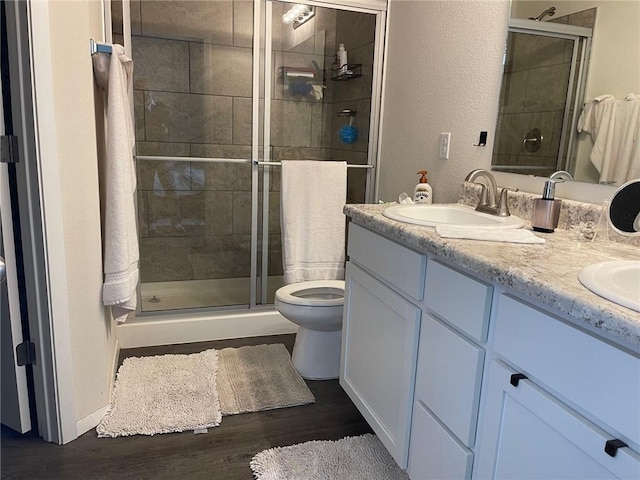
(72, 24)
(443, 74)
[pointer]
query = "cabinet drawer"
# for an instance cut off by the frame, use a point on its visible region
(559, 443)
(459, 299)
(397, 265)
(433, 452)
(448, 377)
(596, 377)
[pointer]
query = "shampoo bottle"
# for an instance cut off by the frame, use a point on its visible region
(423, 192)
(546, 210)
(342, 59)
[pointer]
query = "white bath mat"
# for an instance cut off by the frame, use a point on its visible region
(353, 458)
(162, 394)
(259, 377)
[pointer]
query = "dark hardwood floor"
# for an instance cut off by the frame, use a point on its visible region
(223, 453)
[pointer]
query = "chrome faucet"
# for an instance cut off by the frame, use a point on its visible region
(490, 202)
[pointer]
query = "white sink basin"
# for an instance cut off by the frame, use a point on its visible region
(449, 214)
(618, 281)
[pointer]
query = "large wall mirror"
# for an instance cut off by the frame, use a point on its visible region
(560, 56)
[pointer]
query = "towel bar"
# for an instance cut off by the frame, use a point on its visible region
(95, 47)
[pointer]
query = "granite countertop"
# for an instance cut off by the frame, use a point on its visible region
(547, 273)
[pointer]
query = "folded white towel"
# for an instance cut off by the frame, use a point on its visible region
(120, 235)
(313, 195)
(515, 235)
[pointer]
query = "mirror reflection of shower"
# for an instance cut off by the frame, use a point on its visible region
(549, 11)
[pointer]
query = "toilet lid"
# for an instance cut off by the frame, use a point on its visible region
(317, 293)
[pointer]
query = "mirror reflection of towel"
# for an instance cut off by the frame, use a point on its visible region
(614, 126)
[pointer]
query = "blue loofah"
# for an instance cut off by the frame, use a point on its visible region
(348, 134)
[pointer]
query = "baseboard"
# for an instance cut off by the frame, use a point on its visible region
(91, 421)
(168, 330)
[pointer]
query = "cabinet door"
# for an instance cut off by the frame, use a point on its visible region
(533, 435)
(448, 377)
(379, 346)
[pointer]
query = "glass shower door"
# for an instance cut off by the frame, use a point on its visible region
(307, 103)
(208, 185)
(193, 97)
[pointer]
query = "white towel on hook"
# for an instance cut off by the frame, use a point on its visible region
(625, 164)
(121, 253)
(598, 119)
(313, 194)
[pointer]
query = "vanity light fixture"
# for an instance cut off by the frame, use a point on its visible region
(298, 15)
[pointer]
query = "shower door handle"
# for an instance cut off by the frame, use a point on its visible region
(533, 140)
(3, 271)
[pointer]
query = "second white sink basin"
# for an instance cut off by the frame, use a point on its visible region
(449, 214)
(618, 281)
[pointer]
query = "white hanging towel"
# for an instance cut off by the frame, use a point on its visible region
(598, 119)
(120, 235)
(625, 164)
(313, 194)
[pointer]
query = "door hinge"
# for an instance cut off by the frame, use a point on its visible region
(26, 353)
(9, 149)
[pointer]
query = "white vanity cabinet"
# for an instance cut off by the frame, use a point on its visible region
(558, 401)
(461, 379)
(380, 335)
(449, 374)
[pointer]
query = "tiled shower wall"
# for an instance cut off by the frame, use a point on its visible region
(192, 94)
(533, 95)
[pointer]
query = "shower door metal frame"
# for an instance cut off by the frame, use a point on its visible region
(374, 7)
(581, 37)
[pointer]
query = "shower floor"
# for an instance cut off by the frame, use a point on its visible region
(158, 296)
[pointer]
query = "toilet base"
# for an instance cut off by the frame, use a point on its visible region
(316, 354)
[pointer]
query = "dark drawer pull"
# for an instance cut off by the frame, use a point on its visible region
(516, 377)
(612, 446)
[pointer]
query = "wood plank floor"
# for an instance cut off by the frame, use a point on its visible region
(221, 454)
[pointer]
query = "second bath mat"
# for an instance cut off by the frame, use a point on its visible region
(260, 377)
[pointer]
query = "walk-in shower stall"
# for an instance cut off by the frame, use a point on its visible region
(224, 91)
(545, 69)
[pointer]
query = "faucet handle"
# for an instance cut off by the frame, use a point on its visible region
(503, 206)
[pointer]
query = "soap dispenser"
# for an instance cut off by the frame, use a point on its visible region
(546, 210)
(423, 192)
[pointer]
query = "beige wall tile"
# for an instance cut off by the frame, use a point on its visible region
(176, 213)
(535, 51)
(241, 213)
(547, 88)
(143, 224)
(355, 29)
(218, 213)
(138, 108)
(221, 70)
(208, 150)
(179, 117)
(242, 121)
(160, 64)
(275, 255)
(203, 21)
(221, 256)
(222, 176)
(243, 23)
(290, 123)
(513, 91)
(164, 259)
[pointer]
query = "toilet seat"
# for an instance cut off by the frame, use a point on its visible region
(315, 293)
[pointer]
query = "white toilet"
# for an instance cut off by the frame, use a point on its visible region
(316, 307)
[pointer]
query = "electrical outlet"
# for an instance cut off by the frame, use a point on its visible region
(445, 144)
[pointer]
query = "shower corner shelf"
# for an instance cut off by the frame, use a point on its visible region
(353, 71)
